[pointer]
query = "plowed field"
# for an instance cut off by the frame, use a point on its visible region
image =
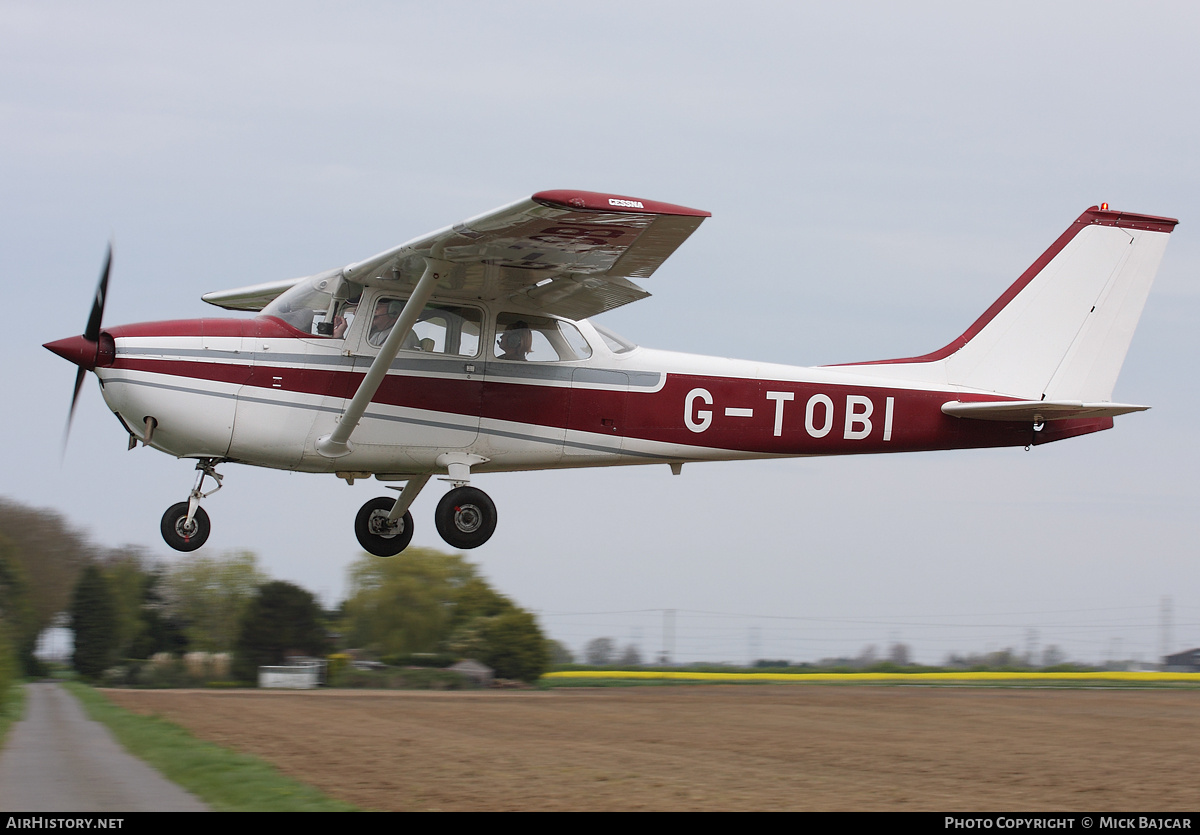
(717, 747)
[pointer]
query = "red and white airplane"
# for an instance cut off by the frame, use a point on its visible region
(470, 350)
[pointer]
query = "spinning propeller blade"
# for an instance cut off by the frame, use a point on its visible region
(92, 332)
(84, 350)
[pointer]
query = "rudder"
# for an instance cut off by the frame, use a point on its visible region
(1061, 331)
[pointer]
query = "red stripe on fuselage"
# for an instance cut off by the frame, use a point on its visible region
(822, 428)
(812, 417)
(266, 327)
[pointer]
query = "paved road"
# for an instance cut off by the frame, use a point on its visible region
(58, 760)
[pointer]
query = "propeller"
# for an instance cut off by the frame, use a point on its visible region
(84, 350)
(92, 332)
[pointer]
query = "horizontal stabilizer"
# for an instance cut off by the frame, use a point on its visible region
(1036, 411)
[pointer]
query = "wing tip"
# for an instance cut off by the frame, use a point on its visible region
(595, 201)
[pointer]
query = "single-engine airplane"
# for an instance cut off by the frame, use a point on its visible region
(470, 350)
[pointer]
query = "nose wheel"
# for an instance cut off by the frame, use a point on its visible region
(185, 526)
(465, 517)
(182, 533)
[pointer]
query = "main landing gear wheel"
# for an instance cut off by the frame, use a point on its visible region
(379, 536)
(181, 534)
(465, 518)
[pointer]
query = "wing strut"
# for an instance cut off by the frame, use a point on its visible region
(337, 443)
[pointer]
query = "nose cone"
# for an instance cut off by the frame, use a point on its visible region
(83, 352)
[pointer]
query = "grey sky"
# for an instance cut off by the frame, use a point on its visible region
(877, 173)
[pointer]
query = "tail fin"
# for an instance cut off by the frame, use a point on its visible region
(1062, 330)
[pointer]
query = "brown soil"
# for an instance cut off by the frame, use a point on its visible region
(719, 748)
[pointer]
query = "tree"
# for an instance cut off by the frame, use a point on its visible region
(93, 617)
(631, 657)
(144, 627)
(128, 579)
(1053, 655)
(17, 615)
(9, 668)
(511, 643)
(161, 630)
(47, 555)
(430, 602)
(283, 619)
(599, 652)
(476, 599)
(560, 654)
(208, 596)
(407, 604)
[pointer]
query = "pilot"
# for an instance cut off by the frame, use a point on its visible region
(387, 311)
(342, 321)
(516, 341)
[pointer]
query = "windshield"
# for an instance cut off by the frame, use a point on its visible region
(616, 344)
(311, 305)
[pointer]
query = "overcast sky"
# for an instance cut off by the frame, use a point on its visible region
(877, 174)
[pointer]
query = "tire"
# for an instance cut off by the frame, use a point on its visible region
(465, 518)
(181, 537)
(373, 534)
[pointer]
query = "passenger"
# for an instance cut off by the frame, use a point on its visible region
(516, 341)
(387, 311)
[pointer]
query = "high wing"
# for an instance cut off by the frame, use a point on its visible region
(567, 253)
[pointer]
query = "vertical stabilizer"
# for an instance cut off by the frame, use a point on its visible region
(1062, 330)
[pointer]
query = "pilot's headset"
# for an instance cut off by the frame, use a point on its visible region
(513, 338)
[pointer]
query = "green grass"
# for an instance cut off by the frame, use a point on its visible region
(14, 709)
(225, 780)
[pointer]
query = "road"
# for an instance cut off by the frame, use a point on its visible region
(58, 760)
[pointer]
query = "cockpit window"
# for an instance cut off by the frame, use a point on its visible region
(526, 338)
(616, 344)
(440, 329)
(315, 305)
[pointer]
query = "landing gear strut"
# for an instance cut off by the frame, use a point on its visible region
(185, 525)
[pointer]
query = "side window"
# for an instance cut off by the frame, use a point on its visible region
(382, 316)
(525, 338)
(445, 329)
(440, 329)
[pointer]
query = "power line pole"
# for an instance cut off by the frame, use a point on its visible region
(668, 651)
(1164, 620)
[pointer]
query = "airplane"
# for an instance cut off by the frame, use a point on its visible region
(472, 350)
